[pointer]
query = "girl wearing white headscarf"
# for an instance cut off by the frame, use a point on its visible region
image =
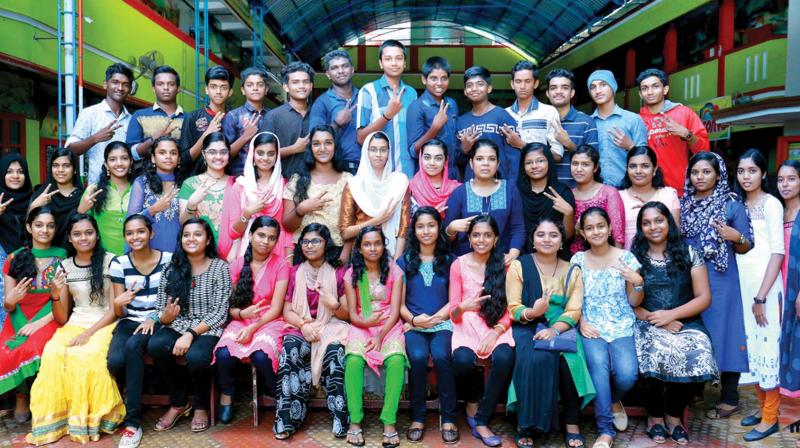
(376, 196)
(257, 192)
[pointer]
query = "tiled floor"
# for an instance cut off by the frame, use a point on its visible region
(316, 432)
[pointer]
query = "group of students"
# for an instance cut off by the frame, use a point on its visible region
(373, 243)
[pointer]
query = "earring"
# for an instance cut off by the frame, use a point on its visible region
(108, 172)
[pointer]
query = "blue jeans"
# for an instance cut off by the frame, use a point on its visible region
(418, 346)
(607, 359)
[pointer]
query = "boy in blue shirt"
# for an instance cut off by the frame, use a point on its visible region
(433, 115)
(485, 120)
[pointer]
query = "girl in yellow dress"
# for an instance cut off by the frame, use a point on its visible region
(74, 394)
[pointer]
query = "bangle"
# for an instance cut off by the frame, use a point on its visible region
(555, 330)
(154, 317)
(192, 332)
(638, 288)
(383, 114)
(240, 314)
(524, 316)
(191, 210)
(412, 321)
(502, 329)
(243, 219)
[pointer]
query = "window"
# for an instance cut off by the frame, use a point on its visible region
(12, 133)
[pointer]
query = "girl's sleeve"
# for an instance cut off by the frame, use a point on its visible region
(773, 211)
(220, 297)
(136, 203)
(517, 220)
(739, 219)
(572, 311)
(455, 287)
(514, 290)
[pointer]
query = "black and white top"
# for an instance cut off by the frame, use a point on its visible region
(123, 272)
(208, 299)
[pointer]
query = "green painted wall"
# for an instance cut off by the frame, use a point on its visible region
(695, 84)
(745, 69)
(454, 55)
(32, 149)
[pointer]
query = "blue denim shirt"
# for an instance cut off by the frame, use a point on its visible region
(420, 118)
(324, 111)
(612, 157)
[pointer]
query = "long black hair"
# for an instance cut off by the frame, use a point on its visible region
(105, 177)
(357, 260)
(442, 256)
(73, 159)
(761, 162)
(179, 271)
(265, 138)
(98, 255)
(243, 289)
(332, 251)
(23, 265)
(658, 176)
(213, 137)
(677, 252)
(603, 214)
(494, 283)
(150, 172)
(594, 156)
(309, 162)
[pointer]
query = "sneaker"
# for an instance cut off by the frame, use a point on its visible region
(621, 419)
(131, 438)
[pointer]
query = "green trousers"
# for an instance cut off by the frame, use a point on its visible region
(354, 387)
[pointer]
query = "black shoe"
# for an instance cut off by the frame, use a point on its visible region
(226, 413)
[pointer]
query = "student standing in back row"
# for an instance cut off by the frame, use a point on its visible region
(383, 106)
(104, 122)
(536, 122)
(576, 128)
(335, 107)
(433, 115)
(164, 118)
(289, 121)
(242, 124)
(619, 130)
(673, 130)
(197, 124)
(488, 121)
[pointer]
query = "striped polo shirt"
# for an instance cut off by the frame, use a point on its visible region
(123, 272)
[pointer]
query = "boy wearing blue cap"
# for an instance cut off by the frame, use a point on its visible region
(618, 130)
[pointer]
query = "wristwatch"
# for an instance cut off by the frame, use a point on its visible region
(688, 135)
(243, 219)
(759, 301)
(742, 239)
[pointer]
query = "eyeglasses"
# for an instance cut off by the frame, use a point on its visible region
(217, 152)
(311, 242)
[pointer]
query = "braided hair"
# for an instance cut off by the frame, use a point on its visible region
(243, 290)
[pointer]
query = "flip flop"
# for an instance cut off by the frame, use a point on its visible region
(657, 430)
(574, 437)
(356, 432)
(390, 436)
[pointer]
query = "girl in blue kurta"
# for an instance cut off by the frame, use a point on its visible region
(789, 188)
(486, 194)
(718, 226)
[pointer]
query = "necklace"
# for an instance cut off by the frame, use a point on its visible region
(312, 277)
(536, 262)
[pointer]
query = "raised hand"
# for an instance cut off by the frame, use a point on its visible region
(562, 136)
(107, 132)
(165, 200)
(395, 103)
(387, 213)
(200, 193)
(468, 138)
(253, 310)
(673, 127)
(461, 225)
(628, 274)
(19, 291)
(345, 116)
(559, 203)
(59, 283)
(727, 232)
(440, 119)
(44, 198)
(620, 138)
(542, 304)
(90, 197)
(4, 205)
(512, 137)
(168, 129)
(127, 296)
(313, 203)
(474, 304)
(250, 128)
(171, 310)
(215, 125)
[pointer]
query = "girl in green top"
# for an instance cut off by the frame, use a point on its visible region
(202, 195)
(107, 201)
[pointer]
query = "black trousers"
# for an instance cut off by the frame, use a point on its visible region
(470, 379)
(126, 364)
(197, 370)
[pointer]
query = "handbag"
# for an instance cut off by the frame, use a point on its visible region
(566, 342)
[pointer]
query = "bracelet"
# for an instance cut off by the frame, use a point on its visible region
(154, 317)
(447, 232)
(638, 288)
(555, 330)
(524, 316)
(243, 219)
(240, 314)
(191, 210)
(502, 329)
(192, 332)
(759, 301)
(742, 239)
(383, 114)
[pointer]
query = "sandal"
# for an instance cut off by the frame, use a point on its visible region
(679, 435)
(282, 435)
(717, 412)
(415, 434)
(657, 433)
(200, 425)
(163, 425)
(574, 437)
(450, 436)
(356, 433)
(389, 436)
(520, 436)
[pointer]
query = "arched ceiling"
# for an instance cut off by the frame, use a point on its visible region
(310, 28)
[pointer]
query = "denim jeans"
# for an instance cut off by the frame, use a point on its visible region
(607, 359)
(419, 346)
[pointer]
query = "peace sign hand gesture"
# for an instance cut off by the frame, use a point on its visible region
(89, 198)
(468, 138)
(58, 284)
(395, 103)
(171, 311)
(44, 198)
(628, 274)
(440, 119)
(621, 139)
(127, 296)
(107, 132)
(313, 204)
(19, 291)
(200, 193)
(562, 136)
(4, 205)
(164, 201)
(345, 116)
(559, 203)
